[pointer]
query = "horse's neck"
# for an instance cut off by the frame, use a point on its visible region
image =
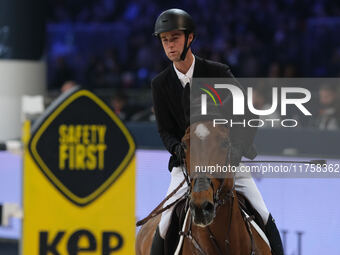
(235, 230)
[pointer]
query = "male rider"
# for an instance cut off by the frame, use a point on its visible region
(176, 30)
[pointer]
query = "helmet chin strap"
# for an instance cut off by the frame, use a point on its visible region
(186, 48)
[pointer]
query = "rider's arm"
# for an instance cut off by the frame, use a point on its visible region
(164, 118)
(242, 137)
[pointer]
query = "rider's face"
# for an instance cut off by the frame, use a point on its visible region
(173, 44)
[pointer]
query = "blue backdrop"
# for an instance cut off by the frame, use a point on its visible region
(306, 210)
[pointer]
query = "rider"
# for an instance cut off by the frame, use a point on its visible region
(176, 30)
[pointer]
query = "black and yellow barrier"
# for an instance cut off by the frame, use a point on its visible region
(79, 180)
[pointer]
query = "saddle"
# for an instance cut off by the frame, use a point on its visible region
(177, 220)
(246, 206)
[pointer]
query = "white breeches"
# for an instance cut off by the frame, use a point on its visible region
(244, 184)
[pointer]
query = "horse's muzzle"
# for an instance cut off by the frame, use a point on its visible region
(203, 214)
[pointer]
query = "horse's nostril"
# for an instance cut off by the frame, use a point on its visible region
(208, 207)
(192, 207)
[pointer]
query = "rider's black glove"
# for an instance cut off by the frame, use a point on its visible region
(179, 154)
(251, 153)
(236, 154)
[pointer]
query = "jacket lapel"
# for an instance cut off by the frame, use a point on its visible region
(175, 82)
(176, 90)
(199, 67)
(181, 100)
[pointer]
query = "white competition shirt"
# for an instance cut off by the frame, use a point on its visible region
(185, 78)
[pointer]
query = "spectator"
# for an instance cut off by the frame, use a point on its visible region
(260, 103)
(63, 72)
(121, 107)
(327, 118)
(68, 85)
(274, 70)
(147, 114)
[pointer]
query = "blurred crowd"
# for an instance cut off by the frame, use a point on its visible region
(257, 38)
(324, 107)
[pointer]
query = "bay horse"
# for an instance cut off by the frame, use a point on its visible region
(214, 225)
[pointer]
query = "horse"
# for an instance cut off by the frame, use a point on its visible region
(214, 224)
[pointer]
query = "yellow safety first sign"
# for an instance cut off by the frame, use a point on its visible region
(78, 180)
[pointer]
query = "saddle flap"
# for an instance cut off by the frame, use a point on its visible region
(246, 206)
(172, 235)
(248, 210)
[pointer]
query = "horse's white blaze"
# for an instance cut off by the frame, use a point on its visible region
(201, 131)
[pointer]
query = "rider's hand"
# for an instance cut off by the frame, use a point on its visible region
(251, 153)
(235, 155)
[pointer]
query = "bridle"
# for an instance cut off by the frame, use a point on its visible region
(219, 200)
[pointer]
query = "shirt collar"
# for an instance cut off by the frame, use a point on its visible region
(185, 78)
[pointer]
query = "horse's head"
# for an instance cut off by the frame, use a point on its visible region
(206, 146)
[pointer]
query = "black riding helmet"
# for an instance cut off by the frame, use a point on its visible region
(175, 19)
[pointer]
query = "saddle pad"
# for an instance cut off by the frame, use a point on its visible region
(257, 228)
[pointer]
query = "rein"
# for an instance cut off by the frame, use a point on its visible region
(218, 201)
(157, 210)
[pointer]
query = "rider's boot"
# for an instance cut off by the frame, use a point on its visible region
(157, 247)
(274, 236)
